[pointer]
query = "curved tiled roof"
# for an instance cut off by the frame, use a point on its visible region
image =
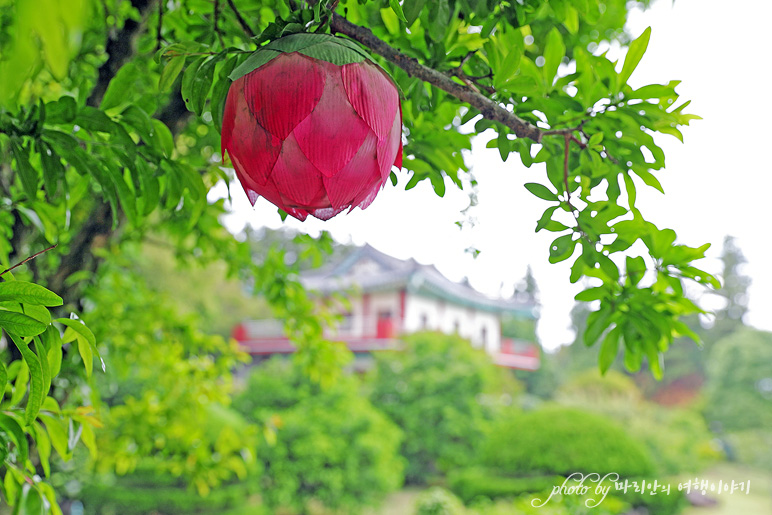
(369, 270)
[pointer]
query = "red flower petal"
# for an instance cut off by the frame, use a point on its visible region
(368, 194)
(246, 141)
(390, 147)
(250, 187)
(373, 96)
(295, 176)
(326, 213)
(283, 92)
(332, 134)
(398, 160)
(356, 176)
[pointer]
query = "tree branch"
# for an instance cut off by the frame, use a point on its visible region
(244, 25)
(487, 107)
(119, 49)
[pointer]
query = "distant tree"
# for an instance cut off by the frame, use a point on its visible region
(734, 292)
(433, 390)
(739, 385)
(516, 326)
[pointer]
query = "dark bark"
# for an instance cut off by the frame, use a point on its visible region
(99, 226)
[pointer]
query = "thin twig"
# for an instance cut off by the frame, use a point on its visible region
(246, 28)
(158, 36)
(217, 22)
(33, 256)
(567, 139)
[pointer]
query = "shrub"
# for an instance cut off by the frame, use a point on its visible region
(677, 438)
(438, 501)
(434, 390)
(739, 385)
(557, 440)
(328, 447)
(149, 492)
(476, 482)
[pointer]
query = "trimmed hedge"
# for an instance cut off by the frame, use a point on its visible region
(558, 440)
(477, 482)
(139, 496)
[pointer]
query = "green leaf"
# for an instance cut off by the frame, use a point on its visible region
(28, 176)
(84, 349)
(220, 93)
(333, 53)
(3, 380)
(13, 429)
(50, 494)
(634, 55)
(608, 350)
(591, 294)
(412, 10)
(195, 96)
(170, 72)
(541, 191)
(597, 322)
(162, 137)
(636, 268)
(87, 348)
(554, 51)
(58, 433)
(28, 293)
(188, 77)
(438, 183)
(45, 367)
(36, 394)
(43, 444)
(253, 62)
(53, 169)
(648, 178)
(546, 218)
(63, 110)
(439, 17)
(20, 324)
(121, 87)
(53, 343)
(562, 248)
(397, 10)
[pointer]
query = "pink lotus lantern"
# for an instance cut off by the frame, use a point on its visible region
(313, 125)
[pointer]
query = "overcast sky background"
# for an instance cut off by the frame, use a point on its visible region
(718, 183)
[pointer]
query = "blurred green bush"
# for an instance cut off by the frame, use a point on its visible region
(327, 447)
(559, 440)
(442, 392)
(146, 491)
(475, 482)
(438, 501)
(738, 394)
(678, 439)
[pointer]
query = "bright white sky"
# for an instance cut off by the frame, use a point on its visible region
(719, 182)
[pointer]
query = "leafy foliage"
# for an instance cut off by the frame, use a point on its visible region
(313, 453)
(437, 381)
(27, 322)
(677, 439)
(558, 440)
(739, 387)
(109, 120)
(169, 387)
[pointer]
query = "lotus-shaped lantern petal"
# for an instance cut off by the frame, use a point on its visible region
(313, 125)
